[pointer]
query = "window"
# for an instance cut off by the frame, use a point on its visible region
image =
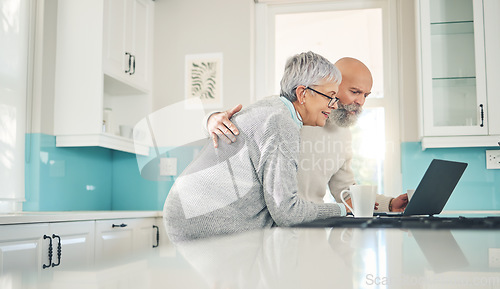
(359, 29)
(16, 52)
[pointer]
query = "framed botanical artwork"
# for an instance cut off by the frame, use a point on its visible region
(204, 79)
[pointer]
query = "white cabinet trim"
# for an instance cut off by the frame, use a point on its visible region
(460, 141)
(103, 140)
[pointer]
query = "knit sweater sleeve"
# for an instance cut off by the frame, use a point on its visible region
(279, 155)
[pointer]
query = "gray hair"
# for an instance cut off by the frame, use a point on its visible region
(307, 68)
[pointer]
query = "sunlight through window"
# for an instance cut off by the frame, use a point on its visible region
(336, 34)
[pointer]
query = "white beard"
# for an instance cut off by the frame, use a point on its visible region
(342, 116)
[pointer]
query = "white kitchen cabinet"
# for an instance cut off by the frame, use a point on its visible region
(120, 238)
(77, 243)
(492, 49)
(115, 61)
(23, 248)
(128, 31)
(144, 234)
(456, 110)
(27, 247)
(90, 36)
(114, 239)
(160, 237)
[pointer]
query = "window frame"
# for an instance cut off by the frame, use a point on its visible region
(265, 12)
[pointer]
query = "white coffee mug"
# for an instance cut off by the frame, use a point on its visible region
(363, 200)
(410, 194)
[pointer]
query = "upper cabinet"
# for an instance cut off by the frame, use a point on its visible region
(127, 45)
(492, 50)
(103, 72)
(455, 73)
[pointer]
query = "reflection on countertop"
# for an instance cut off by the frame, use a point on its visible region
(296, 258)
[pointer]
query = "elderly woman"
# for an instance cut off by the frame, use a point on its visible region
(252, 183)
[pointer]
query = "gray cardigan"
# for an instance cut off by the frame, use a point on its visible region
(250, 184)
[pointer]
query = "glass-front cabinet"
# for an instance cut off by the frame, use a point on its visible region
(454, 100)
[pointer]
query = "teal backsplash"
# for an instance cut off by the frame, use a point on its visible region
(133, 192)
(94, 178)
(130, 190)
(91, 178)
(65, 179)
(478, 189)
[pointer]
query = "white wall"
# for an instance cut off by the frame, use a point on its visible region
(408, 85)
(227, 26)
(42, 110)
(206, 26)
(200, 26)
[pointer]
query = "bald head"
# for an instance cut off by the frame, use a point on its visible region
(356, 85)
(356, 71)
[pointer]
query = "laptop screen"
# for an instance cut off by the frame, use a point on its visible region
(435, 188)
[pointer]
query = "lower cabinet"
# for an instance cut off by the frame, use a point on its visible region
(35, 247)
(122, 237)
(23, 248)
(73, 244)
(61, 245)
(160, 235)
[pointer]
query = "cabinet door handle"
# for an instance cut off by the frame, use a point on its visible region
(133, 66)
(59, 250)
(157, 236)
(129, 62)
(119, 226)
(50, 252)
(482, 115)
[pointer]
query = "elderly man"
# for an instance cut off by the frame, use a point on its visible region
(330, 165)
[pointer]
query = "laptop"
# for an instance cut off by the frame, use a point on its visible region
(434, 189)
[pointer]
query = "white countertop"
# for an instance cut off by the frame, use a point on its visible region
(303, 258)
(68, 216)
(289, 258)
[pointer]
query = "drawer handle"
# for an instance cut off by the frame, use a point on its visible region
(482, 115)
(59, 250)
(129, 62)
(133, 66)
(157, 236)
(119, 226)
(50, 252)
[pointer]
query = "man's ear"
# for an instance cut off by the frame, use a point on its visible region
(300, 92)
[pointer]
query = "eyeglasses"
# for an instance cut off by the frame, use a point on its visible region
(332, 101)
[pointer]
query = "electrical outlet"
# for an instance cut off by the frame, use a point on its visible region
(494, 257)
(168, 167)
(493, 159)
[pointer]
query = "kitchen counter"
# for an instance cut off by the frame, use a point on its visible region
(326, 257)
(299, 258)
(67, 216)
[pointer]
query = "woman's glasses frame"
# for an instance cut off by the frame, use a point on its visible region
(332, 101)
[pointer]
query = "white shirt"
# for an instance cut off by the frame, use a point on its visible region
(325, 158)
